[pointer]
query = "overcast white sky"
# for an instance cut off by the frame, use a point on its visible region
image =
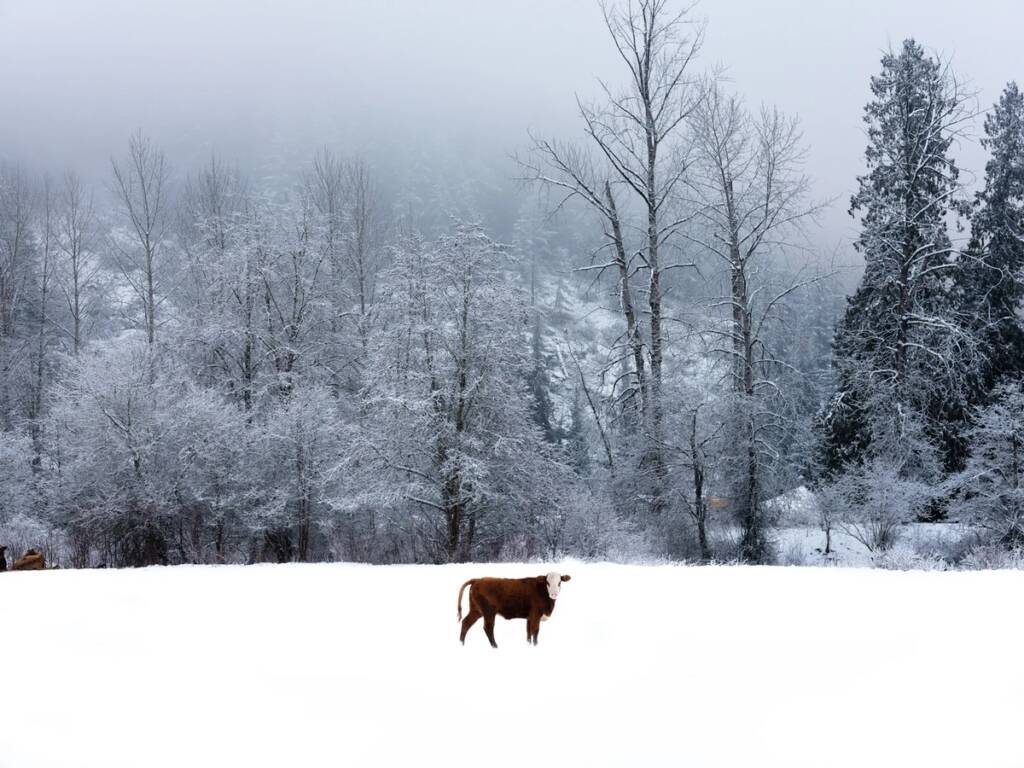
(77, 76)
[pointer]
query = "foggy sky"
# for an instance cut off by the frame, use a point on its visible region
(249, 77)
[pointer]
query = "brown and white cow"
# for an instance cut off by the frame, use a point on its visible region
(532, 599)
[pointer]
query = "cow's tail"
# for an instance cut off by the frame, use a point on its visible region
(461, 589)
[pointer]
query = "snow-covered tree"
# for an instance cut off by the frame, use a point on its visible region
(992, 281)
(225, 236)
(77, 267)
(700, 431)
(219, 475)
(539, 382)
(142, 188)
(992, 484)
(577, 442)
(111, 478)
(41, 356)
(16, 456)
(299, 445)
(750, 198)
(17, 209)
(902, 352)
(449, 445)
(17, 257)
(638, 132)
(146, 466)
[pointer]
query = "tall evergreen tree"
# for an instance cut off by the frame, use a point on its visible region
(541, 407)
(900, 349)
(991, 282)
(576, 443)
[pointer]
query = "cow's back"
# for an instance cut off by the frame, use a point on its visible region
(511, 598)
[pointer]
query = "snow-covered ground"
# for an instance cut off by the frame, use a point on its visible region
(799, 540)
(805, 545)
(349, 665)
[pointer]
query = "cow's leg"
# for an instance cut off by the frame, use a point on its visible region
(532, 628)
(468, 622)
(489, 625)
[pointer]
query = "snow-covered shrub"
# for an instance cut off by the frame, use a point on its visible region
(904, 557)
(725, 544)
(989, 557)
(794, 553)
(871, 501)
(951, 548)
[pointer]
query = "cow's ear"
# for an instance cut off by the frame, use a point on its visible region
(566, 578)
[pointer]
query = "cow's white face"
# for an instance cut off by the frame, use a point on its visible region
(555, 583)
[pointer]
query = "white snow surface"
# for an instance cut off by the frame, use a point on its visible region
(353, 665)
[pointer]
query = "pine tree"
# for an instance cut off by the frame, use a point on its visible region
(992, 483)
(899, 352)
(576, 444)
(541, 407)
(991, 279)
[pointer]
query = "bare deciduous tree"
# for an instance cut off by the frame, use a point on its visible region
(639, 133)
(17, 212)
(636, 131)
(75, 233)
(141, 186)
(365, 235)
(44, 278)
(17, 207)
(325, 186)
(749, 194)
(220, 237)
(344, 194)
(571, 171)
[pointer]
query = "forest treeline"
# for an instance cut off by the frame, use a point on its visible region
(197, 366)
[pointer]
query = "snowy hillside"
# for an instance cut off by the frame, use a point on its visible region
(639, 666)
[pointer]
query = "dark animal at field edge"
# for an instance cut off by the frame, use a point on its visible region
(32, 560)
(531, 598)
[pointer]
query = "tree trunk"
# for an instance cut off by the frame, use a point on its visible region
(654, 411)
(700, 511)
(453, 517)
(634, 339)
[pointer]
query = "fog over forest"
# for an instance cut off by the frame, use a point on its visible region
(398, 281)
(456, 82)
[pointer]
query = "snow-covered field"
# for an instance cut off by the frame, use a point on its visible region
(347, 665)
